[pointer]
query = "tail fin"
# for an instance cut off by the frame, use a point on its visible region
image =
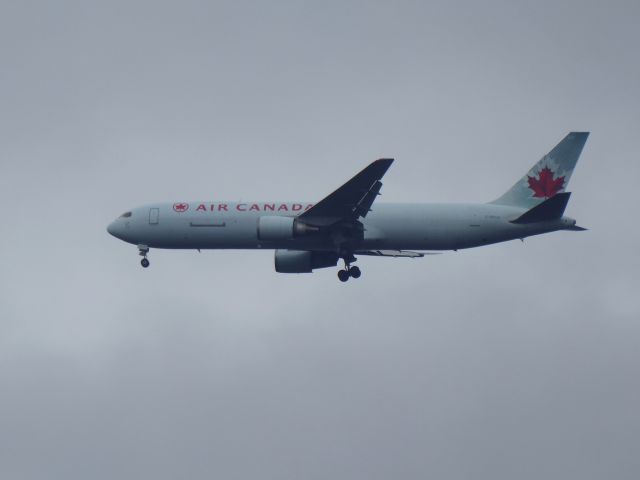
(547, 177)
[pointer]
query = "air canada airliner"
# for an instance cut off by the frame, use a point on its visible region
(349, 222)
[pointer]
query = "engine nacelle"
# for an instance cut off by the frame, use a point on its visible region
(281, 228)
(300, 261)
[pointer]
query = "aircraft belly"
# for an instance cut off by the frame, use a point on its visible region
(223, 232)
(203, 233)
(237, 232)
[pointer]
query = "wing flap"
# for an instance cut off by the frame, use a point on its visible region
(366, 202)
(392, 253)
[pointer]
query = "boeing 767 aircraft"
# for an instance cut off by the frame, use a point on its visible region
(349, 222)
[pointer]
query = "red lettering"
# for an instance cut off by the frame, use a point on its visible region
(308, 207)
(270, 206)
(222, 206)
(295, 207)
(241, 207)
(254, 207)
(201, 208)
(283, 207)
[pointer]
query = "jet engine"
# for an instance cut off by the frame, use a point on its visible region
(301, 261)
(282, 228)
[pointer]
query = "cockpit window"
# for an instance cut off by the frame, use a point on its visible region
(125, 215)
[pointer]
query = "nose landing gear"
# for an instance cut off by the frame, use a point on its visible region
(143, 250)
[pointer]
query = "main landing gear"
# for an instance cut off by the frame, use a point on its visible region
(348, 272)
(143, 250)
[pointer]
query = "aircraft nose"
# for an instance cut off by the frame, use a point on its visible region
(114, 228)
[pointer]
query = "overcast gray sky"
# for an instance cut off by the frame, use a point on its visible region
(517, 360)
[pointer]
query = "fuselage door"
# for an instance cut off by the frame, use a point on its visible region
(154, 216)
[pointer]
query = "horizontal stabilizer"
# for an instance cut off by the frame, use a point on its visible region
(576, 228)
(550, 209)
(391, 253)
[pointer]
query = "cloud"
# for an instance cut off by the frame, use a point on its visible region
(514, 360)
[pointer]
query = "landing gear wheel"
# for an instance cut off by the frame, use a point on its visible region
(355, 272)
(343, 275)
(142, 251)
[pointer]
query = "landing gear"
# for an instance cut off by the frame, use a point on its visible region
(349, 271)
(143, 250)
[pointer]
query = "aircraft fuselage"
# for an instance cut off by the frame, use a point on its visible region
(390, 226)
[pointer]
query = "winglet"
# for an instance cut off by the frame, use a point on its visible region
(383, 162)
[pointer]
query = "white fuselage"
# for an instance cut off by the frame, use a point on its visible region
(392, 226)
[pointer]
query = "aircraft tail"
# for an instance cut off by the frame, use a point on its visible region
(549, 176)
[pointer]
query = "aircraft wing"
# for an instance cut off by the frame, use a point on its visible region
(352, 200)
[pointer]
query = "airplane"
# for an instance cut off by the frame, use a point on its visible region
(350, 223)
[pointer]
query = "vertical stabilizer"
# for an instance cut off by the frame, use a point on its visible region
(547, 177)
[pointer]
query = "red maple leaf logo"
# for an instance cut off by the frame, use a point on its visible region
(545, 185)
(181, 207)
